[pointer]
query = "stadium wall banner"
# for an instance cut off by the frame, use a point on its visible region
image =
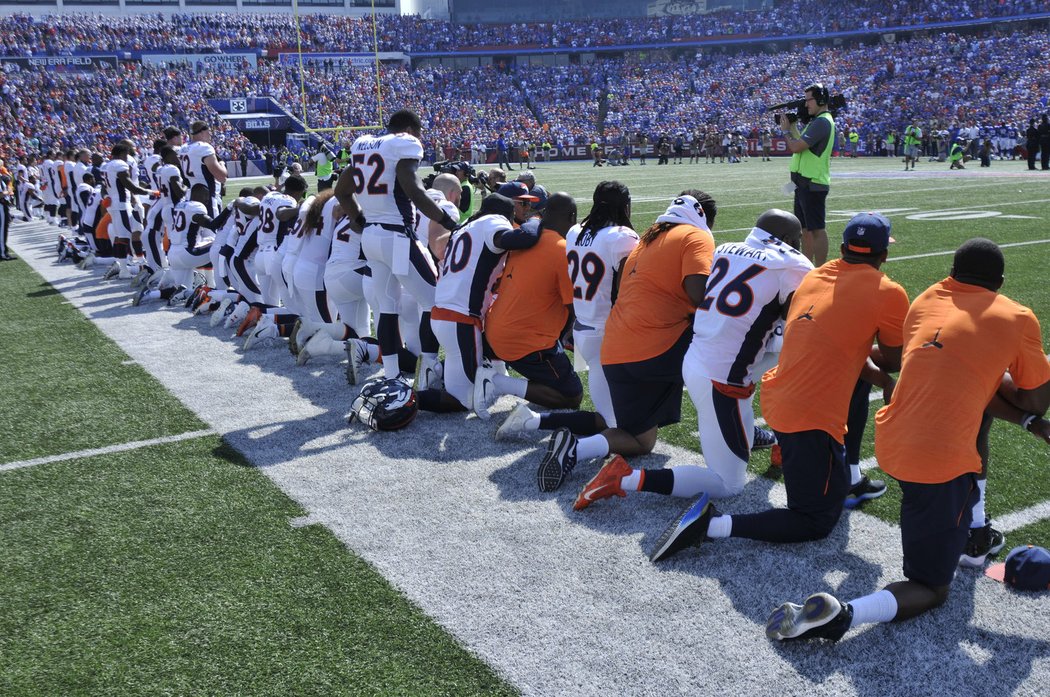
(66, 64)
(342, 60)
(583, 152)
(197, 60)
(261, 123)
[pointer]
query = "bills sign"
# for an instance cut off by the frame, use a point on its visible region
(341, 60)
(200, 61)
(62, 64)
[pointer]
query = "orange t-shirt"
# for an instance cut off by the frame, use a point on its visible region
(530, 308)
(652, 308)
(960, 339)
(836, 313)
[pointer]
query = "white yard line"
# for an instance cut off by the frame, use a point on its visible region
(109, 449)
(942, 254)
(1019, 519)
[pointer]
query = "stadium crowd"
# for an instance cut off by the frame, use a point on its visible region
(964, 81)
(63, 34)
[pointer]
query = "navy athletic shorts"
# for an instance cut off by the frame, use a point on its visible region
(550, 367)
(648, 394)
(935, 525)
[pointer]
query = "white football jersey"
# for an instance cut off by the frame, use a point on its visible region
(150, 163)
(593, 258)
(50, 175)
(472, 265)
(67, 167)
(119, 196)
(272, 230)
(84, 194)
(192, 158)
(243, 220)
(375, 163)
(89, 213)
(292, 243)
(162, 180)
(749, 285)
(184, 232)
(316, 243)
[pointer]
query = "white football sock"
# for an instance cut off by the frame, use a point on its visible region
(854, 475)
(720, 526)
(591, 447)
(880, 606)
(508, 385)
(632, 481)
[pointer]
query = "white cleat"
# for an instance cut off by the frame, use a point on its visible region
(221, 312)
(111, 272)
(265, 329)
(234, 319)
(484, 391)
(515, 423)
(431, 375)
(357, 355)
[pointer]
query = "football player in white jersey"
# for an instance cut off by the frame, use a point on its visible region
(748, 292)
(121, 188)
(277, 213)
(473, 263)
(189, 246)
(596, 249)
(81, 166)
(168, 183)
(201, 165)
(52, 188)
(380, 192)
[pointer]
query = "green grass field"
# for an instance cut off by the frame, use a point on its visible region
(173, 569)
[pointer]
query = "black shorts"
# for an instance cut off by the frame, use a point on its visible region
(816, 475)
(935, 525)
(810, 207)
(648, 394)
(550, 367)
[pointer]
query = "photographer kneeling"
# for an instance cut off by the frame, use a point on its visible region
(811, 169)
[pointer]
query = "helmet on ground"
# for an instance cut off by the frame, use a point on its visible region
(384, 405)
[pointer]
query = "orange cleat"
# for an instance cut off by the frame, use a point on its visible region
(250, 320)
(775, 458)
(605, 484)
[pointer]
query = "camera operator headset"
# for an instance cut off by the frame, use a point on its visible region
(811, 169)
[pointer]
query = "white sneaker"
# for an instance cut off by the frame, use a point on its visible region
(199, 279)
(515, 423)
(87, 262)
(111, 272)
(221, 312)
(484, 391)
(125, 274)
(234, 319)
(357, 355)
(265, 329)
(179, 298)
(431, 375)
(320, 344)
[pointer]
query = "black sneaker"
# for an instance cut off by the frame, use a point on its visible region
(764, 438)
(689, 528)
(822, 616)
(983, 541)
(864, 490)
(558, 462)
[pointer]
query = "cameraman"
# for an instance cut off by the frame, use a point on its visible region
(811, 170)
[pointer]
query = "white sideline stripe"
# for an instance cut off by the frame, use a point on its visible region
(943, 254)
(109, 449)
(1019, 519)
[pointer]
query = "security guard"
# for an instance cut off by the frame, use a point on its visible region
(811, 170)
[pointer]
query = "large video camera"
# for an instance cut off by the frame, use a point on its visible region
(455, 167)
(800, 114)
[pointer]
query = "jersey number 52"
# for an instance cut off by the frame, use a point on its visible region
(378, 166)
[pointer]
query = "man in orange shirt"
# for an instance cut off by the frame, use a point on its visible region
(646, 337)
(836, 313)
(960, 338)
(527, 319)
